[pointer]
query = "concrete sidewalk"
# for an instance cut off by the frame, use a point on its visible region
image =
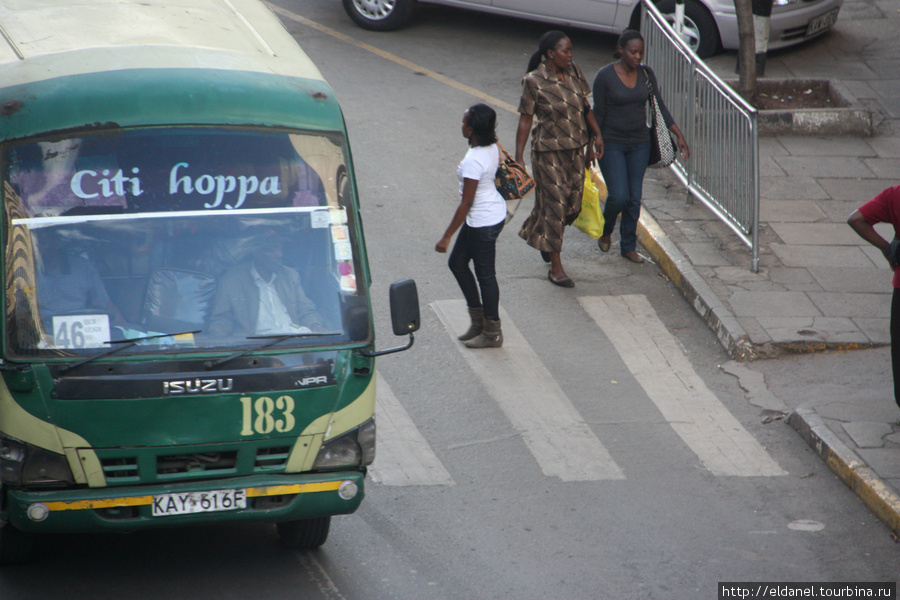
(819, 286)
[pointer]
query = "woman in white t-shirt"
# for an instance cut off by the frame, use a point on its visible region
(481, 214)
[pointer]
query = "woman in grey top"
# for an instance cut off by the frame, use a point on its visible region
(621, 94)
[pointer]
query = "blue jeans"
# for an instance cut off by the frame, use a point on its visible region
(623, 167)
(479, 246)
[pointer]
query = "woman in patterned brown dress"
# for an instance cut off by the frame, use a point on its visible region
(554, 101)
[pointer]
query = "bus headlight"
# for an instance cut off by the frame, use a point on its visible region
(12, 457)
(356, 448)
(366, 439)
(24, 464)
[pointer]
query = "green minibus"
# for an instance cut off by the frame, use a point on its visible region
(188, 335)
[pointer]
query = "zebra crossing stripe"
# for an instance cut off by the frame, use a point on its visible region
(657, 362)
(557, 436)
(402, 456)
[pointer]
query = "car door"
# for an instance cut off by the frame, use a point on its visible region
(595, 12)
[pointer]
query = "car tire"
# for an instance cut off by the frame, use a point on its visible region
(379, 15)
(699, 26)
(15, 544)
(305, 534)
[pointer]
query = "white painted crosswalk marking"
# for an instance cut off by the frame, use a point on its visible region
(657, 362)
(402, 456)
(555, 433)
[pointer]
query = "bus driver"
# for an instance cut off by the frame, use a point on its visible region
(262, 296)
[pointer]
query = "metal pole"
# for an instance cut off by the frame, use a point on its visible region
(762, 12)
(679, 20)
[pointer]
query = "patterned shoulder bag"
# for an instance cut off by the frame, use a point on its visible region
(662, 149)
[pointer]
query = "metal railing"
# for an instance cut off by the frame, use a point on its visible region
(720, 128)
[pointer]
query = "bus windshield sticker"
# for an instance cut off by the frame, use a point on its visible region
(338, 216)
(319, 219)
(342, 251)
(348, 283)
(80, 331)
(340, 233)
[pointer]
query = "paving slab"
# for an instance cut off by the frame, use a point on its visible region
(825, 166)
(773, 304)
(868, 434)
(823, 256)
(856, 190)
(884, 168)
(835, 279)
(791, 187)
(886, 147)
(814, 234)
(877, 328)
(815, 145)
(851, 304)
(791, 211)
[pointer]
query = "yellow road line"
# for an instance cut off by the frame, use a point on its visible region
(394, 58)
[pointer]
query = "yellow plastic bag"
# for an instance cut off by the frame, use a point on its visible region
(590, 220)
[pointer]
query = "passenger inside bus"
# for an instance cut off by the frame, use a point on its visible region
(262, 296)
(67, 282)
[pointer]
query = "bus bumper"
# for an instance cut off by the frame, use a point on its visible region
(254, 498)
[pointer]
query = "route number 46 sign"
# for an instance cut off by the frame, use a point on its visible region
(81, 331)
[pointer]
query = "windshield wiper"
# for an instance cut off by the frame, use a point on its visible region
(125, 344)
(273, 339)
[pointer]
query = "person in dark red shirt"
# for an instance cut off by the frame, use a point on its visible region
(885, 208)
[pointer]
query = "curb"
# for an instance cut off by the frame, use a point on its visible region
(682, 273)
(846, 117)
(849, 468)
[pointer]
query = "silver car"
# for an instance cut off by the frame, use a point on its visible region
(710, 25)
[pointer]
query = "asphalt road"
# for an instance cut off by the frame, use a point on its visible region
(656, 479)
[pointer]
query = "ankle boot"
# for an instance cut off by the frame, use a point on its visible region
(477, 316)
(491, 336)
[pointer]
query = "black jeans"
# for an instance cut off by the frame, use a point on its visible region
(478, 245)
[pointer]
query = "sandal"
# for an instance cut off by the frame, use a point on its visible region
(563, 281)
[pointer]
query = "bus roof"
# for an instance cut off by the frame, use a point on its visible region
(125, 63)
(104, 35)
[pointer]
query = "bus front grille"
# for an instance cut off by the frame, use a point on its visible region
(127, 466)
(200, 462)
(272, 459)
(120, 470)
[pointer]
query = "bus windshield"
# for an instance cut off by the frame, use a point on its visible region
(221, 236)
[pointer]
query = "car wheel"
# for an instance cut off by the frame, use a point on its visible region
(304, 534)
(15, 545)
(699, 26)
(379, 15)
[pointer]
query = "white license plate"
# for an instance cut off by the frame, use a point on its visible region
(165, 505)
(822, 22)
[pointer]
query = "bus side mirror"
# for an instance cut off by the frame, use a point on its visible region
(404, 299)
(404, 306)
